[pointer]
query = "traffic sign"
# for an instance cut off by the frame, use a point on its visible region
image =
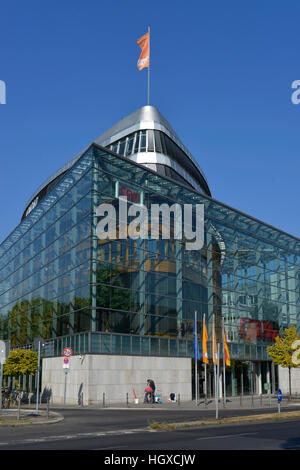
(279, 395)
(67, 352)
(66, 362)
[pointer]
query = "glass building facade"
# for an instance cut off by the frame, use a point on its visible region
(59, 281)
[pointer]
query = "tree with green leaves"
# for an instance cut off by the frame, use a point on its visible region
(21, 362)
(281, 351)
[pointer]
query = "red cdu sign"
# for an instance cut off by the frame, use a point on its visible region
(129, 194)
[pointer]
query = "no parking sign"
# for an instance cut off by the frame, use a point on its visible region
(67, 352)
(66, 363)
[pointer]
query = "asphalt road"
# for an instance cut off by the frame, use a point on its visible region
(125, 430)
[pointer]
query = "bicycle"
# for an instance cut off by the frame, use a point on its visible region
(5, 399)
(14, 397)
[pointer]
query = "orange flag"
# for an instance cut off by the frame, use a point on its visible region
(204, 343)
(226, 351)
(143, 42)
(214, 345)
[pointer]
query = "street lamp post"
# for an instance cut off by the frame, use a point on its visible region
(38, 379)
(38, 342)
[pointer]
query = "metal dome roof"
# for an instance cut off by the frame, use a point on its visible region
(146, 117)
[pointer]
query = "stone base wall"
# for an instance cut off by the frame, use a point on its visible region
(90, 376)
(283, 379)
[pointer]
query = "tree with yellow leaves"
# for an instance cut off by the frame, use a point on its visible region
(21, 362)
(281, 352)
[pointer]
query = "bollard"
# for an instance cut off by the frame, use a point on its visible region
(127, 399)
(82, 399)
(103, 399)
(178, 399)
(19, 406)
(48, 408)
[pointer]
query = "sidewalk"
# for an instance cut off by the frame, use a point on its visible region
(243, 403)
(261, 405)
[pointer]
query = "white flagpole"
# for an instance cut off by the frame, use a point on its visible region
(214, 360)
(149, 69)
(195, 354)
(224, 370)
(205, 371)
(217, 381)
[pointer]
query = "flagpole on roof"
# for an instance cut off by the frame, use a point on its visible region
(144, 59)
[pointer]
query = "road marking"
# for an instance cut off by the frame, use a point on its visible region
(35, 440)
(82, 435)
(107, 448)
(226, 435)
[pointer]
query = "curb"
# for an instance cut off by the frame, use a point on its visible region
(166, 426)
(32, 419)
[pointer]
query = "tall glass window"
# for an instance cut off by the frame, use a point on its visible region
(129, 145)
(143, 135)
(150, 140)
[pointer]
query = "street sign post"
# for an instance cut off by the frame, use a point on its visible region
(66, 371)
(67, 352)
(279, 399)
(37, 344)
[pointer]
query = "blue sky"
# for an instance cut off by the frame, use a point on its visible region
(221, 74)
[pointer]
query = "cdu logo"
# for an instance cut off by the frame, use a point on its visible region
(2, 92)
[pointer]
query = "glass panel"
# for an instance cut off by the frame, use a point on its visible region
(106, 344)
(121, 149)
(96, 343)
(143, 141)
(136, 345)
(126, 345)
(154, 346)
(129, 145)
(145, 346)
(150, 141)
(164, 347)
(137, 143)
(116, 344)
(158, 147)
